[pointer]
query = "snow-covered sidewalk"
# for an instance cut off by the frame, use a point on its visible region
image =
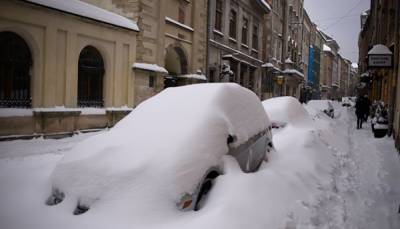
(364, 186)
(328, 175)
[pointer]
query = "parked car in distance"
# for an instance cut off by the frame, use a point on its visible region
(324, 106)
(171, 149)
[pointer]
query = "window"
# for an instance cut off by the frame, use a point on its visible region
(15, 64)
(232, 24)
(245, 30)
(255, 37)
(90, 78)
(152, 81)
(181, 16)
(212, 76)
(218, 15)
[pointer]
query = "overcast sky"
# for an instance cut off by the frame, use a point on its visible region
(341, 20)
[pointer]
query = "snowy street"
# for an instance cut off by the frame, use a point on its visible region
(323, 174)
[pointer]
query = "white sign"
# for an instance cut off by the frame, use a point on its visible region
(379, 61)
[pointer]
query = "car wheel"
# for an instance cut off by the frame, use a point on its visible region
(205, 188)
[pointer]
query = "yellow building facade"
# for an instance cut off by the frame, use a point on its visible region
(79, 67)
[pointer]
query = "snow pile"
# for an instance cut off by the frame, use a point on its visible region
(286, 110)
(163, 147)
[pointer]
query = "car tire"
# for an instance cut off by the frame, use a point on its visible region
(205, 188)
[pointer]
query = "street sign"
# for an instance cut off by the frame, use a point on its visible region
(380, 61)
(380, 56)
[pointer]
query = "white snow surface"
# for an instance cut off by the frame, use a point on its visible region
(89, 11)
(323, 175)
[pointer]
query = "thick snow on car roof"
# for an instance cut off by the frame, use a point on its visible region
(170, 140)
(286, 110)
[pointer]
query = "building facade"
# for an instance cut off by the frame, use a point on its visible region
(172, 44)
(64, 76)
(235, 40)
(380, 27)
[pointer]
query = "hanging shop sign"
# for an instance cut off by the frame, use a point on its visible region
(380, 56)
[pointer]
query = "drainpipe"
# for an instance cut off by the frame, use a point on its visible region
(208, 39)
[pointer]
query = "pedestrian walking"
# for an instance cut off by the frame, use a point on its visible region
(360, 111)
(366, 107)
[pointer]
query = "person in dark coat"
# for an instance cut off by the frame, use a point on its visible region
(360, 107)
(366, 107)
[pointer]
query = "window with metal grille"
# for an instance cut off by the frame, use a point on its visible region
(90, 78)
(15, 64)
(245, 29)
(232, 24)
(218, 15)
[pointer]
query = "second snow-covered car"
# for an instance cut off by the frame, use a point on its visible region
(168, 151)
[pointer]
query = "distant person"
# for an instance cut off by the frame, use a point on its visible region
(360, 107)
(366, 107)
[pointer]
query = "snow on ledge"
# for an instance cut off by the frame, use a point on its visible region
(265, 5)
(150, 67)
(293, 71)
(193, 76)
(26, 112)
(168, 19)
(87, 10)
(267, 65)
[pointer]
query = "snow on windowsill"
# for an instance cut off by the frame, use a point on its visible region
(232, 39)
(218, 32)
(235, 50)
(170, 20)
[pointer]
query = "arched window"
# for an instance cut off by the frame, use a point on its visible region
(15, 64)
(90, 78)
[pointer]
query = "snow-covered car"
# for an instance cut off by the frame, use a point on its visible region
(168, 150)
(323, 105)
(286, 110)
